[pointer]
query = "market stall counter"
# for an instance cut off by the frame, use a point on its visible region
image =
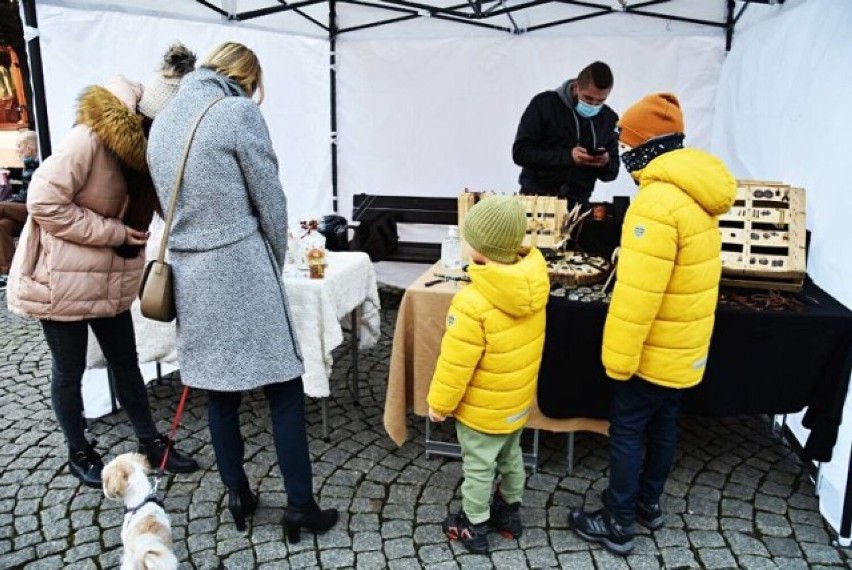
(771, 353)
(416, 345)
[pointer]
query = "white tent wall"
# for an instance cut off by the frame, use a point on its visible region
(788, 122)
(82, 47)
(431, 117)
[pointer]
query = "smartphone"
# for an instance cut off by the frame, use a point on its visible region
(595, 151)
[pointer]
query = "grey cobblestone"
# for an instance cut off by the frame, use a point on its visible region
(337, 558)
(736, 498)
(712, 558)
(399, 548)
(751, 562)
(369, 560)
(678, 558)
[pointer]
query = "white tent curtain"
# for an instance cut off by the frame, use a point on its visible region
(431, 117)
(787, 121)
(415, 116)
(82, 47)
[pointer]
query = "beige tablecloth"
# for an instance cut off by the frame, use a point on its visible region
(416, 345)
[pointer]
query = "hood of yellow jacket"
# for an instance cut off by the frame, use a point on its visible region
(519, 289)
(698, 173)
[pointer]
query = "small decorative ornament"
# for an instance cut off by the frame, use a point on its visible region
(310, 240)
(316, 262)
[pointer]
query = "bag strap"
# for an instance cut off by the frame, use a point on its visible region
(161, 255)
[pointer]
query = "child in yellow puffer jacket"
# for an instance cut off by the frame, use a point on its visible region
(487, 371)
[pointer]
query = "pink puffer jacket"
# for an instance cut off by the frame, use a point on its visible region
(65, 267)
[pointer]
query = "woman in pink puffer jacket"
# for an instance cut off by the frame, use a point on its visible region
(79, 261)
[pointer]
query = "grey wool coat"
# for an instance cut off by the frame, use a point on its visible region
(228, 239)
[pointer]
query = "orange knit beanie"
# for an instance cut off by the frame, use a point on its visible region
(650, 117)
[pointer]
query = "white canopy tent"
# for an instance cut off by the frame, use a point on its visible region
(398, 97)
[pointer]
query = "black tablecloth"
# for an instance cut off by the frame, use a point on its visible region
(770, 361)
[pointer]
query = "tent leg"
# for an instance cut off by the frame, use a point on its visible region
(37, 78)
(332, 70)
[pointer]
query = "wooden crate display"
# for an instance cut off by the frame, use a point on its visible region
(763, 237)
(545, 218)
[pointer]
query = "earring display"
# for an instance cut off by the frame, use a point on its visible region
(554, 230)
(763, 237)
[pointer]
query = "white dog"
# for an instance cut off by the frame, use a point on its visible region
(147, 533)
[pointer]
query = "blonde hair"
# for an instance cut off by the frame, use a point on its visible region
(239, 63)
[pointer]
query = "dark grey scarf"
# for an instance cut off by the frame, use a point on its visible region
(639, 157)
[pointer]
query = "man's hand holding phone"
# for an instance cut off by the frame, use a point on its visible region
(598, 157)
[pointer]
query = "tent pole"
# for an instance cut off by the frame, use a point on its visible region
(729, 26)
(37, 78)
(332, 69)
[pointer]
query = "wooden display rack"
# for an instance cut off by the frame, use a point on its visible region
(545, 218)
(763, 237)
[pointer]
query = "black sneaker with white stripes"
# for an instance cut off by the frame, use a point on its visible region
(600, 526)
(649, 516)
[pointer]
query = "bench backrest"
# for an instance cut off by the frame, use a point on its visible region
(408, 210)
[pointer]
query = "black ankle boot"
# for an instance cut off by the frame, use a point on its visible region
(86, 465)
(506, 517)
(474, 537)
(155, 448)
(311, 518)
(242, 503)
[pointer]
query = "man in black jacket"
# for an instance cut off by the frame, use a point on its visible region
(567, 138)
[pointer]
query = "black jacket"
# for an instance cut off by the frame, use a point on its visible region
(546, 134)
(30, 166)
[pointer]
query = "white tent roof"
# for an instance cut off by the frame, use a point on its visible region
(430, 18)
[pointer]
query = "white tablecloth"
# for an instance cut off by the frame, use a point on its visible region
(318, 307)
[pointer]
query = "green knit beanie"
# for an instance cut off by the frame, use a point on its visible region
(495, 227)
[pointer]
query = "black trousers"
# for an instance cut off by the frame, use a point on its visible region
(287, 411)
(68, 342)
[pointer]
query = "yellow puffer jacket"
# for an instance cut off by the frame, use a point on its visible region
(491, 351)
(661, 316)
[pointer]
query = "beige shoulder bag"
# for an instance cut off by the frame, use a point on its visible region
(156, 290)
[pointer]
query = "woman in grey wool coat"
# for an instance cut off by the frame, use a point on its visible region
(227, 245)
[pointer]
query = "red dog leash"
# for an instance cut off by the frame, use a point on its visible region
(158, 475)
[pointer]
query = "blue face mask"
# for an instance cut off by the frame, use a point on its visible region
(586, 110)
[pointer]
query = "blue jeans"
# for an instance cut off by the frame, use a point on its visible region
(641, 413)
(287, 410)
(67, 342)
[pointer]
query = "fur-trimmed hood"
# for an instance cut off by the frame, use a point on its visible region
(117, 126)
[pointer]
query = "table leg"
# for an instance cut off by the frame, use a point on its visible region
(111, 384)
(531, 460)
(778, 429)
(324, 413)
(844, 538)
(354, 340)
(570, 453)
(818, 478)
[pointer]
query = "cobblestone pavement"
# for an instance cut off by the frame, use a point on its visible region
(738, 497)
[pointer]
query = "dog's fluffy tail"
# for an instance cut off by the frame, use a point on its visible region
(151, 553)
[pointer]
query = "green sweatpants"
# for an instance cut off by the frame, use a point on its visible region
(482, 453)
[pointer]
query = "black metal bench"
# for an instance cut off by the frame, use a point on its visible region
(408, 210)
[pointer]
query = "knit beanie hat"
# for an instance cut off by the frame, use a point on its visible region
(651, 117)
(495, 227)
(163, 86)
